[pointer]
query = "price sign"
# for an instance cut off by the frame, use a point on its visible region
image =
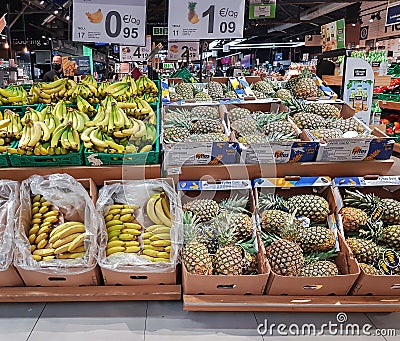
(117, 22)
(135, 53)
(183, 50)
(207, 19)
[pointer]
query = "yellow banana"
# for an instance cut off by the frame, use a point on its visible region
(132, 249)
(63, 226)
(115, 228)
(78, 241)
(79, 228)
(113, 222)
(44, 252)
(126, 237)
(160, 213)
(150, 209)
(132, 243)
(114, 234)
(63, 241)
(131, 231)
(115, 243)
(132, 226)
(114, 249)
(161, 243)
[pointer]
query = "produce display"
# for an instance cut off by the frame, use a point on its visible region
(10, 129)
(218, 238)
(372, 225)
(296, 235)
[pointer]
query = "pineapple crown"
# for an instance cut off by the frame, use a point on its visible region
(191, 229)
(368, 202)
(237, 204)
(225, 229)
(292, 228)
(277, 136)
(263, 119)
(296, 106)
(269, 201)
(318, 256)
(371, 231)
(248, 246)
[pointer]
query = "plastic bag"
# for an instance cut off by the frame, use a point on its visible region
(8, 205)
(71, 198)
(138, 192)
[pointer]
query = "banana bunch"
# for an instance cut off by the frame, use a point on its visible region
(77, 119)
(91, 83)
(138, 108)
(49, 241)
(101, 90)
(156, 243)
(32, 115)
(60, 110)
(85, 91)
(10, 129)
(121, 91)
(13, 95)
(49, 92)
(150, 98)
(85, 107)
(65, 139)
(49, 119)
(145, 85)
(157, 209)
(145, 142)
(122, 230)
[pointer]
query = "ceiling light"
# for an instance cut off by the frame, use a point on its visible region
(291, 40)
(43, 37)
(25, 50)
(41, 2)
(378, 16)
(6, 45)
(298, 38)
(353, 24)
(49, 38)
(56, 11)
(67, 17)
(372, 18)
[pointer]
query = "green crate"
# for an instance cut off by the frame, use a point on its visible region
(4, 161)
(71, 159)
(150, 158)
(19, 109)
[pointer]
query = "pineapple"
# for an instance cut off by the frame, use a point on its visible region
(209, 238)
(314, 207)
(174, 97)
(369, 269)
(176, 127)
(365, 251)
(263, 87)
(390, 236)
(176, 134)
(249, 264)
(195, 255)
(345, 125)
(391, 211)
(305, 88)
(284, 95)
(242, 225)
(230, 94)
(228, 258)
(185, 90)
(309, 121)
(211, 137)
(215, 90)
(269, 201)
(204, 209)
(203, 111)
(323, 268)
(202, 96)
(291, 84)
(259, 95)
(245, 126)
(327, 134)
(252, 139)
(274, 220)
(353, 218)
(324, 110)
(283, 127)
(239, 113)
(206, 125)
(316, 238)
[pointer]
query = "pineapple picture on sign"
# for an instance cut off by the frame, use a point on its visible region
(192, 15)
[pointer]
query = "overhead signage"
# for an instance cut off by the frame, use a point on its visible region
(188, 50)
(135, 53)
(262, 9)
(76, 66)
(208, 19)
(393, 12)
(333, 36)
(118, 22)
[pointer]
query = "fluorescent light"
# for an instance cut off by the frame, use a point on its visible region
(41, 2)
(67, 17)
(6, 46)
(56, 11)
(43, 37)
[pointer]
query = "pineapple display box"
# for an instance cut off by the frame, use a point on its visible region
(219, 284)
(383, 187)
(275, 151)
(198, 153)
(347, 265)
(377, 146)
(85, 278)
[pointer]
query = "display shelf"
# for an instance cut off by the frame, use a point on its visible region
(91, 293)
(292, 303)
(388, 105)
(237, 172)
(337, 80)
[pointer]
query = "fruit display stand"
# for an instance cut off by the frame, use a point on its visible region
(392, 106)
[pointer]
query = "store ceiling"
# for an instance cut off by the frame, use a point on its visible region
(295, 18)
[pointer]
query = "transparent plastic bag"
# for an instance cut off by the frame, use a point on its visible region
(138, 192)
(71, 198)
(8, 205)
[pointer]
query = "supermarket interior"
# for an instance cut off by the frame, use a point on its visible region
(175, 170)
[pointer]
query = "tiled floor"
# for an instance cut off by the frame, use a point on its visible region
(166, 321)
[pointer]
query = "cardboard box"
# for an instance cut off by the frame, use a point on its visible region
(87, 276)
(307, 286)
(10, 278)
(214, 284)
(136, 275)
(383, 187)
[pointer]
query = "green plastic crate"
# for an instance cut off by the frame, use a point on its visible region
(4, 161)
(19, 109)
(150, 158)
(71, 159)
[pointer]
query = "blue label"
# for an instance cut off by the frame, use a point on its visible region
(384, 268)
(393, 15)
(391, 259)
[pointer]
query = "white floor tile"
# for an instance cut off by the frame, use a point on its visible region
(168, 321)
(18, 319)
(122, 321)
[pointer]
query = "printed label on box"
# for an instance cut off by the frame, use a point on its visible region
(344, 150)
(282, 182)
(214, 186)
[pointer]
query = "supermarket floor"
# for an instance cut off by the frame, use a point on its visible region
(164, 321)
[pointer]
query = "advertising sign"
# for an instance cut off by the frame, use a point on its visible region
(333, 36)
(262, 9)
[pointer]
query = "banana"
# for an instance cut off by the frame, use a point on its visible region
(37, 258)
(160, 213)
(150, 247)
(47, 213)
(80, 249)
(150, 209)
(115, 243)
(62, 249)
(63, 241)
(62, 227)
(72, 255)
(114, 222)
(168, 248)
(112, 234)
(44, 229)
(147, 235)
(96, 141)
(131, 231)
(126, 237)
(150, 253)
(108, 218)
(132, 249)
(32, 248)
(165, 205)
(147, 242)
(132, 226)
(163, 229)
(44, 252)
(154, 227)
(113, 239)
(34, 230)
(116, 207)
(79, 228)
(161, 236)
(127, 218)
(52, 85)
(51, 219)
(161, 243)
(78, 241)
(36, 221)
(114, 211)
(42, 244)
(132, 243)
(85, 135)
(115, 228)
(114, 249)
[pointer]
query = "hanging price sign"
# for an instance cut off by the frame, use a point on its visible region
(135, 53)
(183, 50)
(208, 19)
(118, 22)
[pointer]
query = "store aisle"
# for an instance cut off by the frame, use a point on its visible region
(166, 321)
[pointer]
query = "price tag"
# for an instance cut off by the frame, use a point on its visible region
(183, 50)
(135, 53)
(208, 19)
(102, 21)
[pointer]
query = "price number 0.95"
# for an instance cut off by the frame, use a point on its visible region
(115, 30)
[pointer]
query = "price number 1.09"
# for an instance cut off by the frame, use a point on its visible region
(225, 26)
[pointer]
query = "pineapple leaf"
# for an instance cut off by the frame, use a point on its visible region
(235, 204)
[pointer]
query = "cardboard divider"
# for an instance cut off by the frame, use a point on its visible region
(10, 278)
(88, 277)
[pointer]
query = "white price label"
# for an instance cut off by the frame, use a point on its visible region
(183, 50)
(208, 19)
(135, 53)
(117, 22)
